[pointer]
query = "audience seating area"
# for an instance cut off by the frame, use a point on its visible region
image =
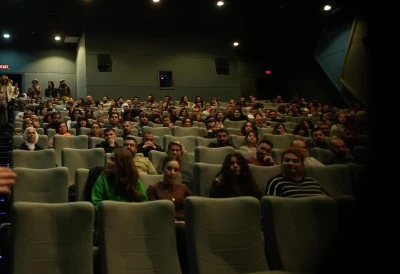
(53, 234)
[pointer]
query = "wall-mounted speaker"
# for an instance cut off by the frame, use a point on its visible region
(104, 63)
(222, 66)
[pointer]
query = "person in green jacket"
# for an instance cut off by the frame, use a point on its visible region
(119, 181)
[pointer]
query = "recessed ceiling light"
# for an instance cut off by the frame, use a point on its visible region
(220, 3)
(6, 35)
(327, 7)
(156, 1)
(235, 44)
(57, 38)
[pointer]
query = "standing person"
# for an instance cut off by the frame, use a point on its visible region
(5, 89)
(64, 90)
(234, 179)
(120, 181)
(7, 179)
(51, 90)
(292, 181)
(35, 90)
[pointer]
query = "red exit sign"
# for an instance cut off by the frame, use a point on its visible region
(3, 66)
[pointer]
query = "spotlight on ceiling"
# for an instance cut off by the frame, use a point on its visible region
(6, 35)
(236, 44)
(220, 3)
(57, 37)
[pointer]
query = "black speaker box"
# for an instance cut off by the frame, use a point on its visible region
(222, 66)
(104, 63)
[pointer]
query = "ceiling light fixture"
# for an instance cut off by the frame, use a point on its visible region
(6, 35)
(235, 44)
(327, 7)
(156, 1)
(57, 38)
(220, 3)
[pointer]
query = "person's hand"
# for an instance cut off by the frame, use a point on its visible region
(7, 179)
(268, 159)
(149, 144)
(111, 142)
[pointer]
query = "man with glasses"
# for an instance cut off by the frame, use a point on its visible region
(263, 154)
(148, 144)
(143, 164)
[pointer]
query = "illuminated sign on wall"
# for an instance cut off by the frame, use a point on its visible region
(4, 66)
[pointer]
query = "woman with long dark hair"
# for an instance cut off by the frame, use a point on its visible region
(120, 180)
(234, 179)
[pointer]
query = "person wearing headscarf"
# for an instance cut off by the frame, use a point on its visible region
(31, 138)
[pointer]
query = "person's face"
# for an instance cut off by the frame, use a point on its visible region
(62, 128)
(149, 138)
(95, 129)
(28, 123)
(144, 119)
(300, 144)
(166, 121)
(338, 147)
(342, 118)
(135, 100)
(175, 150)
(184, 112)
(114, 119)
(272, 114)
(105, 99)
(263, 150)
(171, 171)
(220, 116)
(112, 163)
(251, 138)
(44, 111)
(131, 146)
(211, 125)
(324, 129)
(196, 111)
(281, 130)
(109, 135)
(187, 123)
(236, 113)
(57, 118)
(127, 127)
(248, 127)
(222, 138)
(292, 165)
(234, 166)
(31, 135)
(83, 123)
(318, 136)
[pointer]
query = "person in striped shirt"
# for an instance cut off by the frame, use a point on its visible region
(292, 182)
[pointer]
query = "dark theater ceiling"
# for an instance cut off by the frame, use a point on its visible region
(256, 23)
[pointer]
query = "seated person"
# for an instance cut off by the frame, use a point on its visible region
(30, 140)
(120, 180)
(110, 142)
(222, 139)
(234, 179)
(341, 153)
(169, 189)
(148, 144)
(143, 164)
(263, 154)
(308, 160)
(175, 149)
(292, 181)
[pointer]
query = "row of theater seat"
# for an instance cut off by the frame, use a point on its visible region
(337, 179)
(304, 235)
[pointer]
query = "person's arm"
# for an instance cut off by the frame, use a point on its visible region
(7, 179)
(99, 192)
(141, 190)
(150, 168)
